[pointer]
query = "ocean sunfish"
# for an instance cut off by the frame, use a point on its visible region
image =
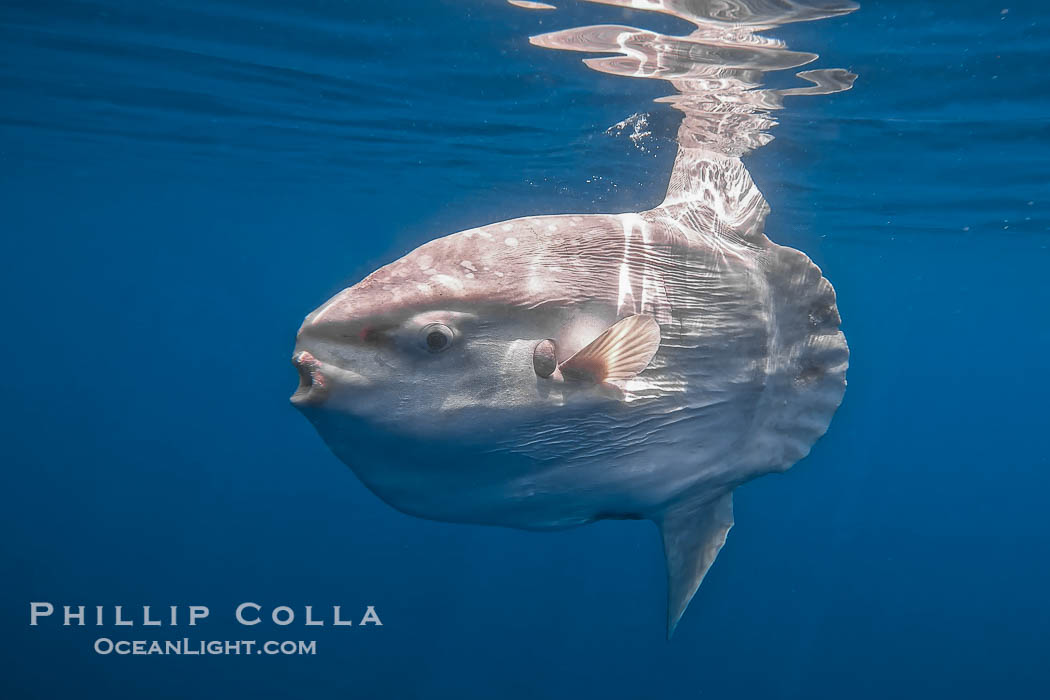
(550, 371)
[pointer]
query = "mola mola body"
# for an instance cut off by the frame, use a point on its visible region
(550, 371)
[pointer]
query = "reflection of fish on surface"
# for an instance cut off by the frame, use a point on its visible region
(550, 371)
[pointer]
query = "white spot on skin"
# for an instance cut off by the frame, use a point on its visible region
(577, 219)
(552, 227)
(448, 281)
(469, 265)
(425, 288)
(469, 275)
(424, 262)
(512, 242)
(485, 234)
(499, 274)
(431, 271)
(507, 227)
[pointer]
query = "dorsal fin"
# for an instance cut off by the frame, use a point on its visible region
(693, 536)
(618, 354)
(721, 187)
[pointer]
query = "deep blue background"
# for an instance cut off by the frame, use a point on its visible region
(181, 181)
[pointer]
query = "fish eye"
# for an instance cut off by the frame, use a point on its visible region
(436, 337)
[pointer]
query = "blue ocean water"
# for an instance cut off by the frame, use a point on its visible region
(182, 181)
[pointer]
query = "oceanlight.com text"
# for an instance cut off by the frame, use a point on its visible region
(191, 647)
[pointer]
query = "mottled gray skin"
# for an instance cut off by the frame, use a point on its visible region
(750, 368)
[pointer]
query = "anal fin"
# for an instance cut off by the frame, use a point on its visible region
(693, 535)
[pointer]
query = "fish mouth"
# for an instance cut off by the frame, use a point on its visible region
(313, 385)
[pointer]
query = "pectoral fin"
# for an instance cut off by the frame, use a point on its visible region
(693, 536)
(618, 354)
